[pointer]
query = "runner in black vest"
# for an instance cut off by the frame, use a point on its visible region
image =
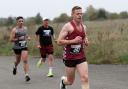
(44, 36)
(19, 37)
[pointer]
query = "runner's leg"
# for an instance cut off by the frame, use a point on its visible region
(82, 69)
(24, 57)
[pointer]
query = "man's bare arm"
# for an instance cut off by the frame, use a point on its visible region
(62, 36)
(37, 41)
(12, 36)
(86, 38)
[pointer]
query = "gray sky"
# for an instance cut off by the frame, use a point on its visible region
(53, 8)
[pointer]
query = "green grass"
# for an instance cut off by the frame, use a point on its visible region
(108, 41)
(124, 58)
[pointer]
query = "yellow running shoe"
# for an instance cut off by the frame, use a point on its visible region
(50, 74)
(39, 63)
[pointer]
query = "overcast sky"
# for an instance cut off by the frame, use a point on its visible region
(53, 8)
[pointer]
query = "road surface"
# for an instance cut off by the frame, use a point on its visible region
(100, 76)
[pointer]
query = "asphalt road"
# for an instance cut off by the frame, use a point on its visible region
(100, 76)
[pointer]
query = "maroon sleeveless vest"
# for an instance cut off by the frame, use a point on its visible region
(74, 51)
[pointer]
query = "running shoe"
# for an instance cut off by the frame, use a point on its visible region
(14, 70)
(39, 63)
(62, 85)
(27, 78)
(50, 74)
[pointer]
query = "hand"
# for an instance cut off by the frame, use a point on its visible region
(55, 41)
(86, 42)
(78, 39)
(38, 46)
(28, 38)
(21, 38)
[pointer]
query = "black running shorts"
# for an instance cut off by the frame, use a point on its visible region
(18, 51)
(73, 63)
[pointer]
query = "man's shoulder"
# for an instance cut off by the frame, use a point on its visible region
(85, 27)
(67, 27)
(13, 29)
(68, 24)
(25, 28)
(40, 26)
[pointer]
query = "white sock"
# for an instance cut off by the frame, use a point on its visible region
(26, 74)
(14, 66)
(50, 69)
(64, 78)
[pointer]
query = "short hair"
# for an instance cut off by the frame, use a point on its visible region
(19, 17)
(76, 8)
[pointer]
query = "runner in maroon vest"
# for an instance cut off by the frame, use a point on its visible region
(73, 37)
(74, 50)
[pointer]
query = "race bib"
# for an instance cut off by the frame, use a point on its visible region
(47, 32)
(75, 49)
(22, 43)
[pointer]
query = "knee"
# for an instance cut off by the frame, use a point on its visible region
(84, 78)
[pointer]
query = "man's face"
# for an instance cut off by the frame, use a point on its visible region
(77, 15)
(20, 22)
(45, 23)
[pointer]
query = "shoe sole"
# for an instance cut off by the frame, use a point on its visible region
(50, 76)
(28, 80)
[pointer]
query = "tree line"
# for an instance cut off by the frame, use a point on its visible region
(90, 14)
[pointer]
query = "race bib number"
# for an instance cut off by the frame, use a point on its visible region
(75, 49)
(23, 43)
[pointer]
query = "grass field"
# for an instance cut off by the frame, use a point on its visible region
(108, 41)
